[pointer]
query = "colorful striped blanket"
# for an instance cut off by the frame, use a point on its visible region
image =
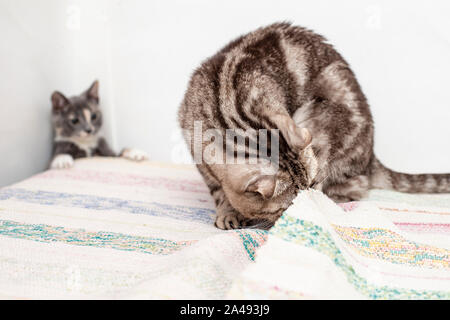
(392, 246)
(112, 228)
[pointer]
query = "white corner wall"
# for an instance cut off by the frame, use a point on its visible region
(143, 53)
(45, 46)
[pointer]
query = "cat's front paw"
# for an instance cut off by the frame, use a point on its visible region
(230, 220)
(62, 161)
(134, 154)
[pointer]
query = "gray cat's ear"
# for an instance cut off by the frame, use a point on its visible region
(264, 185)
(92, 92)
(298, 138)
(59, 101)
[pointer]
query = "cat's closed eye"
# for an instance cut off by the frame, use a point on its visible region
(253, 194)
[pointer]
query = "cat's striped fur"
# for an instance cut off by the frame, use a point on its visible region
(291, 79)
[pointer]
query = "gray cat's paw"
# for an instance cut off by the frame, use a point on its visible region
(230, 220)
(134, 154)
(62, 161)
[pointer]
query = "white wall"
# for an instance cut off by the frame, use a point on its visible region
(143, 52)
(45, 46)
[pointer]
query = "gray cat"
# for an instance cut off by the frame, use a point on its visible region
(289, 78)
(76, 123)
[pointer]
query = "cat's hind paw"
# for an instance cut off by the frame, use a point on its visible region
(134, 154)
(62, 161)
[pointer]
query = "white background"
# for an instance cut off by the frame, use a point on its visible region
(143, 53)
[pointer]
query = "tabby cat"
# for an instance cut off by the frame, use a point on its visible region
(76, 123)
(288, 78)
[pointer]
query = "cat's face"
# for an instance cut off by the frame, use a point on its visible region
(78, 116)
(257, 194)
(263, 192)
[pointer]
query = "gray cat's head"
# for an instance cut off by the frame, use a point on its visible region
(77, 116)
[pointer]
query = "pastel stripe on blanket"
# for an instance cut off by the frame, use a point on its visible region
(252, 240)
(387, 245)
(431, 228)
(80, 237)
(123, 179)
(86, 201)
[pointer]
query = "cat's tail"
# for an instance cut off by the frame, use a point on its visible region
(384, 178)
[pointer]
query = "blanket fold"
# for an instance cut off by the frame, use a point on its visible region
(359, 250)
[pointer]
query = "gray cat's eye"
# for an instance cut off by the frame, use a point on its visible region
(74, 120)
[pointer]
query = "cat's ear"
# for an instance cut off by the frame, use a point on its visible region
(298, 138)
(92, 92)
(252, 178)
(59, 101)
(263, 184)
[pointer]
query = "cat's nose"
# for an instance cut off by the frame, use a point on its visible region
(88, 130)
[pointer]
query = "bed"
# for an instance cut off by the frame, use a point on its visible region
(115, 229)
